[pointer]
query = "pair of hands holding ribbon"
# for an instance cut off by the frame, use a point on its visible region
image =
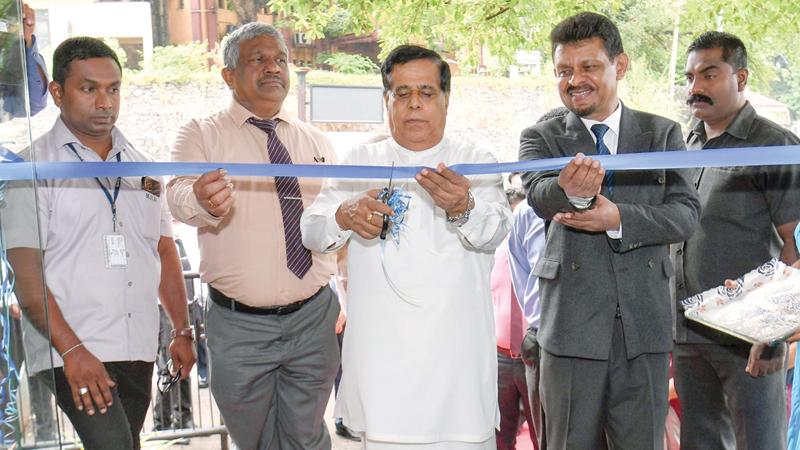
(363, 213)
(583, 177)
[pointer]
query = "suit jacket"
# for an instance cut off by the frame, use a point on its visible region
(583, 276)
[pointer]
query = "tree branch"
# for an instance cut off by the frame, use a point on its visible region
(501, 11)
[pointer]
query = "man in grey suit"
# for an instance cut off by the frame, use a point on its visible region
(606, 324)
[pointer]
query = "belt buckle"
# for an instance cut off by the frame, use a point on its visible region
(280, 310)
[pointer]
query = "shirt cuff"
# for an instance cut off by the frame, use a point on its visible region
(580, 202)
(206, 216)
(615, 234)
(334, 234)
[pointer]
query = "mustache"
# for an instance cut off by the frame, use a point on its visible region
(699, 98)
(578, 88)
(271, 78)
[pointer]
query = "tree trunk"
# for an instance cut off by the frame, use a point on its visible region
(246, 10)
(673, 58)
(158, 11)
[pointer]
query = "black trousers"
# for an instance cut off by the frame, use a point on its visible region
(119, 427)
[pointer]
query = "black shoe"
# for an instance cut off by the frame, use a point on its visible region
(343, 431)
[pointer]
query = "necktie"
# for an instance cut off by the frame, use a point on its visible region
(298, 258)
(599, 131)
(516, 333)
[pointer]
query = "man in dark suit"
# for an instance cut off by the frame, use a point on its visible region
(605, 329)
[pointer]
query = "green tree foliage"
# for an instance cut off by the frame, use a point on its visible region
(786, 87)
(177, 64)
(348, 63)
(505, 26)
(460, 25)
(121, 55)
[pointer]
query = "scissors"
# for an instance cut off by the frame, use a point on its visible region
(387, 193)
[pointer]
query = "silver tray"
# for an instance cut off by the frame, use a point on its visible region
(764, 307)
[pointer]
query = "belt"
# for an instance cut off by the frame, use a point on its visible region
(506, 352)
(228, 303)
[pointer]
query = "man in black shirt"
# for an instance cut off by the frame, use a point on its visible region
(748, 216)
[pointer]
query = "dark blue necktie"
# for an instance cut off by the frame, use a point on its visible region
(599, 131)
(298, 258)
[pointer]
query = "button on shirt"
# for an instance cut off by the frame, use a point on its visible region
(243, 255)
(741, 207)
(113, 311)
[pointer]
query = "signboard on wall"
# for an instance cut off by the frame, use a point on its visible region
(350, 104)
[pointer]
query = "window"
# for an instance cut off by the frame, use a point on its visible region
(221, 4)
(180, 4)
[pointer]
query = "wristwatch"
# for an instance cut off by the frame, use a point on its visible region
(462, 218)
(185, 332)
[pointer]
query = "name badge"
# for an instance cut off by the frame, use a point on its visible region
(116, 255)
(151, 186)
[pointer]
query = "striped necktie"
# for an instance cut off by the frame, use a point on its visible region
(599, 131)
(298, 258)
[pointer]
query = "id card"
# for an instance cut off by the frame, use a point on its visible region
(116, 255)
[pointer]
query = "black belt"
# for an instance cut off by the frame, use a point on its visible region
(228, 303)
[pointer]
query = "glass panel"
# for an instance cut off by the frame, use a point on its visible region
(27, 410)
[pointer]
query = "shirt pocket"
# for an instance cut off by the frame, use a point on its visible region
(144, 216)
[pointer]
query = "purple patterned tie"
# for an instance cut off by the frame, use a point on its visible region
(298, 258)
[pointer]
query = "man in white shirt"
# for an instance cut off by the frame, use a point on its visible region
(107, 253)
(420, 344)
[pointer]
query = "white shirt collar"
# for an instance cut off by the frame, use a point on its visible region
(612, 121)
(62, 137)
(419, 153)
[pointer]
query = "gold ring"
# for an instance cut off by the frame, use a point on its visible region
(369, 218)
(211, 204)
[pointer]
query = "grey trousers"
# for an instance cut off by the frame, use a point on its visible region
(625, 398)
(271, 376)
(722, 407)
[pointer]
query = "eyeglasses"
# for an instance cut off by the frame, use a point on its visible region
(426, 93)
(165, 378)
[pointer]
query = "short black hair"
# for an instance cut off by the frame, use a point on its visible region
(733, 50)
(587, 25)
(408, 53)
(80, 48)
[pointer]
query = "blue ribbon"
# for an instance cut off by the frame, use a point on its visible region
(748, 156)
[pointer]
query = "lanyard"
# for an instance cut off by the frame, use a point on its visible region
(111, 199)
